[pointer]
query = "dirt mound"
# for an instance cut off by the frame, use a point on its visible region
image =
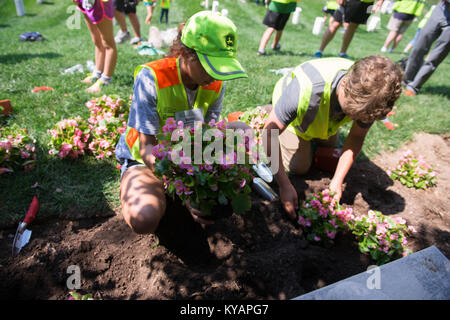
(259, 255)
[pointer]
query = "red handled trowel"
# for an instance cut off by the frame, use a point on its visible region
(22, 234)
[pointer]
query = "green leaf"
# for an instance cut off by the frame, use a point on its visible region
(75, 295)
(189, 181)
(241, 203)
(222, 199)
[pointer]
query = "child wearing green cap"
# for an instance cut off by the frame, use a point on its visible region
(179, 86)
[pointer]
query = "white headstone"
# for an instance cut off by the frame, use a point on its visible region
(215, 6)
(296, 15)
(20, 9)
(318, 26)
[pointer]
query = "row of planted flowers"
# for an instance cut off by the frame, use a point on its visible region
(384, 238)
(97, 136)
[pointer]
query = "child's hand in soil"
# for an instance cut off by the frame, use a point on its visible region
(195, 215)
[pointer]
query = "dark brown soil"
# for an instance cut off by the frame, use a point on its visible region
(260, 255)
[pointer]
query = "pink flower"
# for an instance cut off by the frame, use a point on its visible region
(24, 154)
(214, 188)
(242, 184)
(302, 221)
(158, 151)
(331, 234)
(316, 238)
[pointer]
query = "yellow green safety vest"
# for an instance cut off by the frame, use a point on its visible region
(332, 5)
(313, 113)
(165, 4)
(367, 1)
(414, 7)
(172, 97)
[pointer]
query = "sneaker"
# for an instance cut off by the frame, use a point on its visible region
(391, 50)
(383, 49)
(409, 93)
(90, 79)
(97, 86)
(135, 40)
(261, 52)
(343, 55)
(277, 47)
(318, 54)
(122, 36)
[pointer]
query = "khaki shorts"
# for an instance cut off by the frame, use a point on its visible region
(399, 26)
(296, 153)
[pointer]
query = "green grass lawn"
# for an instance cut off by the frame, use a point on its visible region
(89, 187)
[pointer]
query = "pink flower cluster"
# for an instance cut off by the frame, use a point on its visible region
(255, 118)
(205, 184)
(413, 172)
(384, 238)
(322, 217)
(17, 150)
(97, 136)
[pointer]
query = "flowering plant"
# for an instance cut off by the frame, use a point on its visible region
(322, 217)
(97, 136)
(255, 118)
(413, 172)
(382, 237)
(17, 149)
(209, 182)
(69, 137)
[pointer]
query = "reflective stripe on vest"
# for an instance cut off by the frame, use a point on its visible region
(171, 96)
(414, 7)
(425, 19)
(315, 78)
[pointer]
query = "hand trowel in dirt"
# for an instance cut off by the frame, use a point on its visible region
(22, 234)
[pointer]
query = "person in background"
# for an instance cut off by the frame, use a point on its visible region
(98, 15)
(417, 70)
(187, 84)
(165, 6)
(404, 13)
(356, 12)
(128, 8)
(419, 27)
(318, 97)
(150, 6)
(329, 9)
(276, 18)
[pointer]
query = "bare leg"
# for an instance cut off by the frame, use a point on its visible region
(348, 36)
(135, 24)
(397, 41)
(120, 18)
(329, 34)
(391, 36)
(277, 37)
(97, 40)
(265, 38)
(143, 200)
(105, 27)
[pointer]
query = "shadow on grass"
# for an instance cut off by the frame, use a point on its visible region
(437, 90)
(15, 58)
(68, 189)
(4, 25)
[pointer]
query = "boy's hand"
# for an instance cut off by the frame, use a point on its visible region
(195, 215)
(337, 189)
(289, 199)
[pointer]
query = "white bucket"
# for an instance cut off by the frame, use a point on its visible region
(318, 26)
(296, 15)
(20, 9)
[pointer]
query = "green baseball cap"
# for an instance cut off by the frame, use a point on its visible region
(213, 36)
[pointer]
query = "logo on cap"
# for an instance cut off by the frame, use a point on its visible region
(229, 40)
